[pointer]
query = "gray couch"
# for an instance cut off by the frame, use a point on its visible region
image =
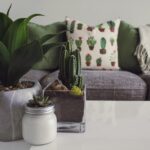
(105, 85)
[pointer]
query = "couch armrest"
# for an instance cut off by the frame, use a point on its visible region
(146, 78)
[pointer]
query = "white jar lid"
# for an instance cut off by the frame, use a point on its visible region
(39, 110)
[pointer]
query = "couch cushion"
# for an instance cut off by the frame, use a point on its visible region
(128, 39)
(98, 45)
(35, 74)
(49, 61)
(114, 85)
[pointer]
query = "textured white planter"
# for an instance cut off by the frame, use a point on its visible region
(12, 109)
(39, 125)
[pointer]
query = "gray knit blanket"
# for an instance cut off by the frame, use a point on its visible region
(143, 49)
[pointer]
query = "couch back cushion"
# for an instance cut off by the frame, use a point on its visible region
(98, 45)
(128, 39)
(50, 59)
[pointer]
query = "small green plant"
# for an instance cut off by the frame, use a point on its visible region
(76, 91)
(101, 28)
(88, 59)
(79, 43)
(111, 25)
(91, 42)
(99, 61)
(103, 46)
(72, 26)
(39, 101)
(79, 26)
(112, 41)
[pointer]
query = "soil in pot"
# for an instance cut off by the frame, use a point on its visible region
(21, 85)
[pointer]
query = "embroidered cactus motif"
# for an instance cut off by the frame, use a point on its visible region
(91, 42)
(79, 43)
(113, 58)
(111, 25)
(99, 62)
(89, 28)
(101, 28)
(88, 59)
(112, 41)
(103, 45)
(79, 26)
(72, 26)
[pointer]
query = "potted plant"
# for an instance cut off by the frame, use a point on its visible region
(79, 43)
(99, 61)
(39, 124)
(88, 59)
(17, 57)
(70, 103)
(91, 42)
(103, 46)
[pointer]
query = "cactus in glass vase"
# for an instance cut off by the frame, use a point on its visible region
(70, 67)
(88, 59)
(98, 61)
(103, 46)
(91, 42)
(79, 43)
(111, 25)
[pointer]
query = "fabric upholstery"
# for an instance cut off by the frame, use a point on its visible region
(50, 60)
(114, 85)
(109, 85)
(128, 39)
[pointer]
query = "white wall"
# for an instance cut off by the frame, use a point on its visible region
(136, 12)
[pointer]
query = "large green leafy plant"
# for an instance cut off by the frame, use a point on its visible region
(17, 56)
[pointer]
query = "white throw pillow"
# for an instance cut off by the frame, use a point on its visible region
(98, 45)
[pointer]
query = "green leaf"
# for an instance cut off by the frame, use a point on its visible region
(4, 62)
(17, 34)
(9, 10)
(23, 60)
(5, 22)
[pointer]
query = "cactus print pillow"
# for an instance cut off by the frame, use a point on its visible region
(97, 45)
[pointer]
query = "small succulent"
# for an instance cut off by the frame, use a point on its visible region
(76, 91)
(39, 101)
(91, 42)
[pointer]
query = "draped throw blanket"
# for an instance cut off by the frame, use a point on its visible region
(143, 49)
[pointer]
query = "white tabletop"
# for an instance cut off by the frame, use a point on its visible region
(111, 125)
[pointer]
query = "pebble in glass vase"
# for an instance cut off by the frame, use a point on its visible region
(39, 124)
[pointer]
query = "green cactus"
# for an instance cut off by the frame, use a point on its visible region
(70, 74)
(112, 41)
(79, 26)
(99, 61)
(88, 58)
(103, 45)
(111, 25)
(72, 26)
(79, 43)
(91, 42)
(72, 68)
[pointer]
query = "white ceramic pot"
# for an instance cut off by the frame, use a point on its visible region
(12, 110)
(39, 125)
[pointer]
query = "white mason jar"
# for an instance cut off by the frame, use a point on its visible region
(39, 125)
